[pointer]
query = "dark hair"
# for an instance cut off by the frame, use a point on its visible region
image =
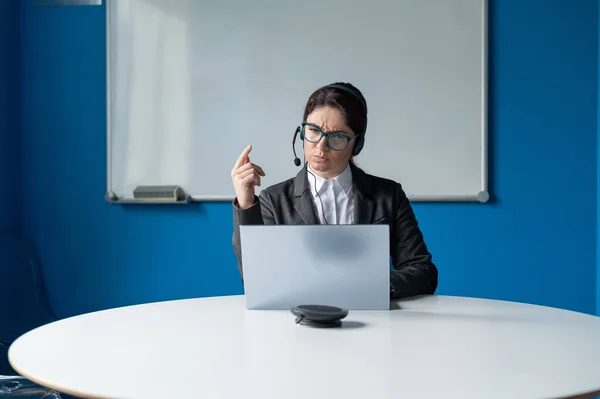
(353, 107)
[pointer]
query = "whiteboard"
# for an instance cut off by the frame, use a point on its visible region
(190, 83)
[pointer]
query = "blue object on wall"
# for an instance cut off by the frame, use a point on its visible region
(536, 242)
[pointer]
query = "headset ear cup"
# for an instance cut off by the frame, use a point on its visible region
(358, 146)
(360, 142)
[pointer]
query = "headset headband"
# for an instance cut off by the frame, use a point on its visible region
(348, 90)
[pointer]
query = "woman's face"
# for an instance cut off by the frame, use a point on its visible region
(325, 161)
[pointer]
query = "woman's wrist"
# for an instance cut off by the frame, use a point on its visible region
(244, 204)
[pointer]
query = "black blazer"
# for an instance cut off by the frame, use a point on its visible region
(378, 200)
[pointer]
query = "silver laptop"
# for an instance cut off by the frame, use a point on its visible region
(338, 265)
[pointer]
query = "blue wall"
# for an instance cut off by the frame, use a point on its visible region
(598, 190)
(9, 143)
(535, 243)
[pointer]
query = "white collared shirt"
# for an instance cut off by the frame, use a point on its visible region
(337, 196)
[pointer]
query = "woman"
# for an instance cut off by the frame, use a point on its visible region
(338, 192)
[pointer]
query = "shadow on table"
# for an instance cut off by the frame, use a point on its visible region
(351, 324)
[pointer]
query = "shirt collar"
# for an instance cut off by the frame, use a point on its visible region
(344, 179)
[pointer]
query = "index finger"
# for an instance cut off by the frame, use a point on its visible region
(242, 158)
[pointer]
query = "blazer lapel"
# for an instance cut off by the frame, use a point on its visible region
(304, 207)
(303, 198)
(364, 206)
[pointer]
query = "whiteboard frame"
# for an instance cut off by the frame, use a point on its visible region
(482, 196)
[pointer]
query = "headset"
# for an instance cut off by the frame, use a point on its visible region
(360, 140)
(358, 146)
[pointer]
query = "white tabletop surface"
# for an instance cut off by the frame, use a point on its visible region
(432, 347)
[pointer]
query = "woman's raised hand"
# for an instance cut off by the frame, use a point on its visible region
(245, 176)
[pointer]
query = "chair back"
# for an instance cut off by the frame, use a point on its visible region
(24, 302)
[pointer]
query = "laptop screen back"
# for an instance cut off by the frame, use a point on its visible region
(338, 265)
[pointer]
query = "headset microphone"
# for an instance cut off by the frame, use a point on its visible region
(296, 159)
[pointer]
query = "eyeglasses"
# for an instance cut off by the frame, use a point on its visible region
(335, 140)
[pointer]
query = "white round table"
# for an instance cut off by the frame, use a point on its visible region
(431, 347)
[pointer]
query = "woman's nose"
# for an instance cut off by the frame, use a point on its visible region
(322, 144)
